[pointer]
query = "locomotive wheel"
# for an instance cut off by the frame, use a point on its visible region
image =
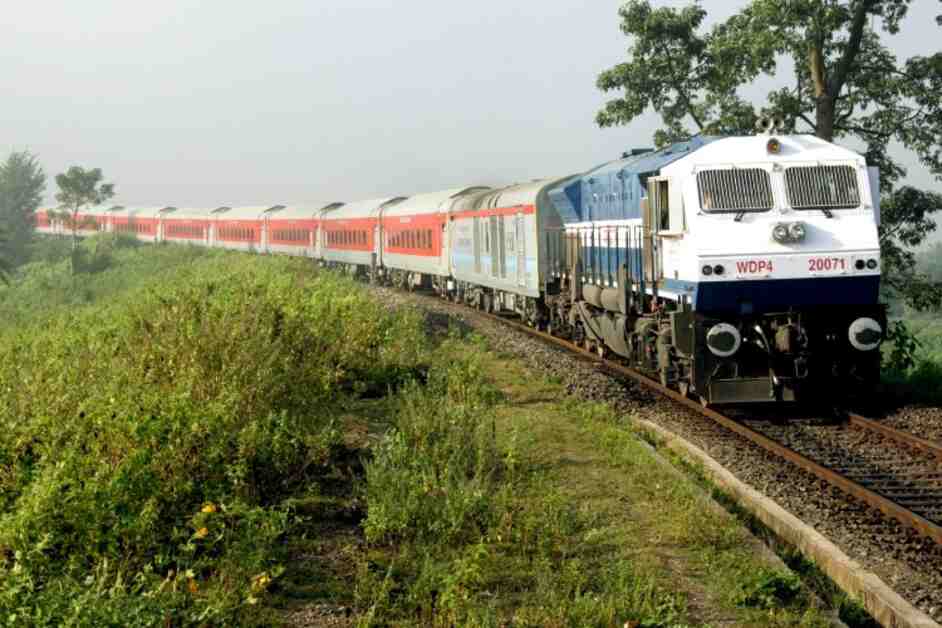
(684, 388)
(704, 402)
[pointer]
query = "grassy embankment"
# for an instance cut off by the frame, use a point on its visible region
(194, 437)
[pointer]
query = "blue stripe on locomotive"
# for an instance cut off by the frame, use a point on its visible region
(780, 295)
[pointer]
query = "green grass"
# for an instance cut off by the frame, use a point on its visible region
(209, 438)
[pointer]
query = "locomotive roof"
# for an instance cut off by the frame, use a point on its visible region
(613, 191)
(753, 148)
(654, 160)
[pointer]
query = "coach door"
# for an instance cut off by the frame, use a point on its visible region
(265, 236)
(477, 244)
(520, 244)
(496, 245)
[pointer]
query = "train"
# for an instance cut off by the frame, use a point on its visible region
(737, 270)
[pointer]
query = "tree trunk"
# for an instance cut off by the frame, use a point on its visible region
(824, 117)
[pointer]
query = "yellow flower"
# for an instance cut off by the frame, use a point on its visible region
(209, 508)
(261, 581)
(201, 533)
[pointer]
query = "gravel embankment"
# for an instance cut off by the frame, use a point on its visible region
(905, 561)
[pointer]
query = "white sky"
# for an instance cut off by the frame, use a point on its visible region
(212, 102)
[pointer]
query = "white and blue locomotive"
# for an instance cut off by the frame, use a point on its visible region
(739, 269)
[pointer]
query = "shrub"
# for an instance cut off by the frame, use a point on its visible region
(150, 443)
(435, 475)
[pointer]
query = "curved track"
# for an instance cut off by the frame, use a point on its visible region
(893, 471)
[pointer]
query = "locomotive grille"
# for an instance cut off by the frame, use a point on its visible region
(822, 187)
(739, 190)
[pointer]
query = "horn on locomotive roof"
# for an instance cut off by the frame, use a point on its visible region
(770, 124)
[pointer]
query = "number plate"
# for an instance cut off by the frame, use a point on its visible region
(827, 265)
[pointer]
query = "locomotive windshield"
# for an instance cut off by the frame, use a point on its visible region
(735, 190)
(822, 187)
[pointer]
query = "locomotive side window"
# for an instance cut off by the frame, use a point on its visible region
(822, 187)
(735, 190)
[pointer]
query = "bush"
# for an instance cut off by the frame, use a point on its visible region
(435, 476)
(150, 443)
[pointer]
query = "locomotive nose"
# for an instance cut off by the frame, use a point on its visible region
(865, 334)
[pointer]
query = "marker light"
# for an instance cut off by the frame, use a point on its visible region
(872, 264)
(773, 146)
(707, 270)
(780, 233)
(718, 269)
(860, 264)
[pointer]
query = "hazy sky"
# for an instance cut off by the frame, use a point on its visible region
(211, 102)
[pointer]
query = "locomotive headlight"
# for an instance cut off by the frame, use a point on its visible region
(865, 334)
(780, 233)
(797, 231)
(723, 340)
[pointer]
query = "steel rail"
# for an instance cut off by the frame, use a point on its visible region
(887, 506)
(903, 438)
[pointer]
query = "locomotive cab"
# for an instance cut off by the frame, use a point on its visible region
(782, 270)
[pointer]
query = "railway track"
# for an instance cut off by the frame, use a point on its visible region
(893, 471)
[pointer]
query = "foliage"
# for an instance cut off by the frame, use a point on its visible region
(435, 475)
(45, 286)
(904, 347)
(846, 84)
(769, 589)
(78, 188)
(154, 440)
(6, 265)
(906, 221)
(22, 183)
(463, 531)
(930, 262)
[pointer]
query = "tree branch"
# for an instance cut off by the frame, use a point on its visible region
(839, 77)
(680, 91)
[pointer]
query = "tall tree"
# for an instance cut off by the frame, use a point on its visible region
(79, 188)
(842, 84)
(22, 183)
